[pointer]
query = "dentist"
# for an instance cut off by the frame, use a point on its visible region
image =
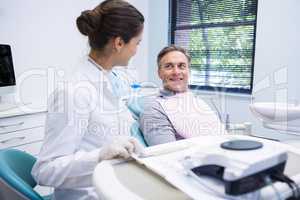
(87, 121)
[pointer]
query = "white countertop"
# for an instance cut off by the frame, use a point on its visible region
(12, 111)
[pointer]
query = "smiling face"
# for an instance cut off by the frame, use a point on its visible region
(174, 71)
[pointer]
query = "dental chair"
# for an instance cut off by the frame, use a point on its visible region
(135, 105)
(16, 181)
(137, 133)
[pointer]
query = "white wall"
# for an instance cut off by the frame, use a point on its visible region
(158, 34)
(43, 34)
(277, 52)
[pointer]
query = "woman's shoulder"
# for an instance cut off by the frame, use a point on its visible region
(84, 70)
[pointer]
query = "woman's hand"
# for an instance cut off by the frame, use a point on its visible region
(120, 147)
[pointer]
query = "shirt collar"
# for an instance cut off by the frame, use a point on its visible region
(168, 93)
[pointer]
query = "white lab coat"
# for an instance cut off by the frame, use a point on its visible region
(82, 116)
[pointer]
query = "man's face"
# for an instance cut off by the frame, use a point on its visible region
(173, 70)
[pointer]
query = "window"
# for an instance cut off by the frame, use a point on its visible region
(220, 37)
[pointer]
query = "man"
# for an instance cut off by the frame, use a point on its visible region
(176, 113)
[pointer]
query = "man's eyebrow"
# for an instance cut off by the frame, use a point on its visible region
(164, 64)
(172, 63)
(168, 63)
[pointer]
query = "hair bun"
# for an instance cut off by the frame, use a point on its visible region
(88, 22)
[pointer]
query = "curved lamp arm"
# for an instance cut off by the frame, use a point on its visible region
(275, 112)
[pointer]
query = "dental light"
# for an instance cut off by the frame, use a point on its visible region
(279, 116)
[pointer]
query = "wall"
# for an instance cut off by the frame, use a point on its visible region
(46, 43)
(158, 34)
(276, 62)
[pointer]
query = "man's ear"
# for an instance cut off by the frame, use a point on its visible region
(118, 44)
(159, 73)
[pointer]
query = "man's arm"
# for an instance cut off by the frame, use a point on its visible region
(155, 125)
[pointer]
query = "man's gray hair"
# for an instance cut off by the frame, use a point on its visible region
(169, 49)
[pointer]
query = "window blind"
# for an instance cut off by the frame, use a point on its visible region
(220, 37)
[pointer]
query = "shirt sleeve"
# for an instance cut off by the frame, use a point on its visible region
(155, 124)
(60, 163)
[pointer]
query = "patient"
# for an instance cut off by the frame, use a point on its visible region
(176, 113)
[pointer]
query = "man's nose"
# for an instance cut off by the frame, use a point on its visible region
(176, 69)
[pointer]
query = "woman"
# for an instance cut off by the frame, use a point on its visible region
(87, 121)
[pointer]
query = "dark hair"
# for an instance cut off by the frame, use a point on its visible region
(169, 49)
(111, 18)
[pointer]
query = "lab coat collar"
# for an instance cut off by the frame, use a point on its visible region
(92, 71)
(99, 67)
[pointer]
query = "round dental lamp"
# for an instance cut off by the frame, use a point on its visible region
(278, 116)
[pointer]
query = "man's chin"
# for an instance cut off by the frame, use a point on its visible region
(178, 89)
